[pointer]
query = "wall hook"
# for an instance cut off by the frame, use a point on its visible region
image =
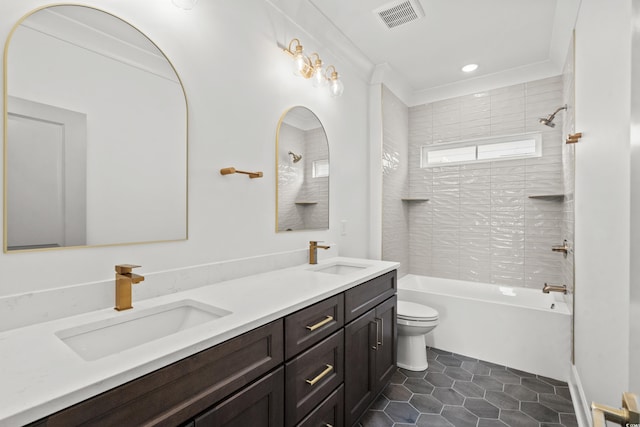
(232, 170)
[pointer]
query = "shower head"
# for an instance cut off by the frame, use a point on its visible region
(548, 121)
(296, 157)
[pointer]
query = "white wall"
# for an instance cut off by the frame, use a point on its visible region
(602, 261)
(238, 83)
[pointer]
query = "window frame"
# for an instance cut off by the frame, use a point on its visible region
(425, 149)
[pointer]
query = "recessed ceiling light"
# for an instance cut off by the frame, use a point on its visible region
(469, 68)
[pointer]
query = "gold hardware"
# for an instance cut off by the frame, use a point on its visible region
(554, 288)
(124, 279)
(313, 251)
(628, 415)
(573, 138)
(320, 324)
(564, 248)
(232, 170)
(321, 375)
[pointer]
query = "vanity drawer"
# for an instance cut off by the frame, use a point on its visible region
(330, 412)
(173, 394)
(312, 376)
(364, 297)
(309, 325)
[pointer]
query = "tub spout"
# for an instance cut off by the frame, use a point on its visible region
(554, 288)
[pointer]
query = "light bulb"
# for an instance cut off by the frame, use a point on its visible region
(185, 4)
(318, 80)
(335, 85)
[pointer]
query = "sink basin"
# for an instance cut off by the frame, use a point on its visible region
(340, 268)
(95, 340)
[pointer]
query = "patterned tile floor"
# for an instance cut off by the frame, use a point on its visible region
(458, 391)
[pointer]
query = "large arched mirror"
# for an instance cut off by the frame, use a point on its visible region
(302, 157)
(95, 134)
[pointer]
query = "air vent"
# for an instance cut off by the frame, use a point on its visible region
(399, 13)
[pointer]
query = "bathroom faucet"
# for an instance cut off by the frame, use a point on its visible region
(313, 251)
(124, 279)
(554, 288)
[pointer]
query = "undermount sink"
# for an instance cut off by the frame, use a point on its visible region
(95, 340)
(340, 268)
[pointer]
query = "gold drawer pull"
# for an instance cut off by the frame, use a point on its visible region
(321, 375)
(320, 323)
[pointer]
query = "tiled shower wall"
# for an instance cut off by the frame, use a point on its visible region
(479, 223)
(395, 215)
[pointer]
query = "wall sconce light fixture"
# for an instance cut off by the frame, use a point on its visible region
(305, 67)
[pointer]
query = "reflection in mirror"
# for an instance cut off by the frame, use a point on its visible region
(302, 155)
(96, 134)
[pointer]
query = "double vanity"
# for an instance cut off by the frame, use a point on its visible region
(302, 346)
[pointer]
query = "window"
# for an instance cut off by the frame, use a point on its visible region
(482, 150)
(320, 168)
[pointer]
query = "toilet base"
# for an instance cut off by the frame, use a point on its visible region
(412, 353)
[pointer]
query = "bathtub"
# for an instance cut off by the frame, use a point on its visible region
(518, 327)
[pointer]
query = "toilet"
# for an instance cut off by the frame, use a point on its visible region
(414, 321)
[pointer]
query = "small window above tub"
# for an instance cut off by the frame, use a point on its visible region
(482, 150)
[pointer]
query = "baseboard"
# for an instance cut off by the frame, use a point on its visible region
(580, 403)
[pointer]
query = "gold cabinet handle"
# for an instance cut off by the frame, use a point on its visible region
(320, 323)
(321, 375)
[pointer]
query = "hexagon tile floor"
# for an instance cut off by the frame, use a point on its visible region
(458, 391)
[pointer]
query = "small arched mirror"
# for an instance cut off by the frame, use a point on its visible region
(302, 164)
(95, 134)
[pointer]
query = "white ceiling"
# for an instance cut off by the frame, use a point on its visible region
(511, 40)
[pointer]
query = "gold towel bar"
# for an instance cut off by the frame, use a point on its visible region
(232, 170)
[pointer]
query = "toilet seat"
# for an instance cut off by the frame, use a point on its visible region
(416, 312)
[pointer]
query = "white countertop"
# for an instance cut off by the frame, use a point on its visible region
(40, 374)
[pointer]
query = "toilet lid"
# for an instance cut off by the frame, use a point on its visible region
(411, 310)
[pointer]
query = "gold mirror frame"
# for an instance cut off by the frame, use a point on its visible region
(128, 201)
(285, 171)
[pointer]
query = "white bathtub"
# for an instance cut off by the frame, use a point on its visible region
(517, 327)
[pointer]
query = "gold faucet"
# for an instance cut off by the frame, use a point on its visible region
(554, 288)
(124, 279)
(313, 251)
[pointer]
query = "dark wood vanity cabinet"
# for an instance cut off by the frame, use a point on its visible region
(258, 405)
(322, 365)
(370, 344)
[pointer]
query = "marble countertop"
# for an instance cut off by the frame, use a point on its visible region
(41, 375)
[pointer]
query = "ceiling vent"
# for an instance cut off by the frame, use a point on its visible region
(399, 13)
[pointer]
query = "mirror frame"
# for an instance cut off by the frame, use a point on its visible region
(277, 174)
(5, 119)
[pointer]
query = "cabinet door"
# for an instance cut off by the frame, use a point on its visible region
(359, 358)
(258, 405)
(386, 343)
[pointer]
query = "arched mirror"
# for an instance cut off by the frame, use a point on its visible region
(302, 157)
(95, 134)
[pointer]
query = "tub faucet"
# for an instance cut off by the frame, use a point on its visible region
(124, 279)
(554, 288)
(313, 251)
